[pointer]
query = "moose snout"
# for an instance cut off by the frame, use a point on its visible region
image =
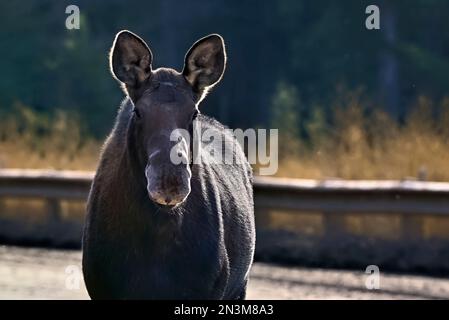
(167, 198)
(168, 186)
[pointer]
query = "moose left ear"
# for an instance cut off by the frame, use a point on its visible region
(130, 59)
(205, 62)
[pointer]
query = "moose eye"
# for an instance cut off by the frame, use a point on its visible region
(136, 112)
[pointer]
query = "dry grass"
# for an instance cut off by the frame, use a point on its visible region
(359, 145)
(31, 140)
(375, 146)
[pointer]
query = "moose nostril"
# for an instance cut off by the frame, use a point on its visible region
(167, 200)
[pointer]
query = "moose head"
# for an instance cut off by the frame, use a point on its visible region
(165, 101)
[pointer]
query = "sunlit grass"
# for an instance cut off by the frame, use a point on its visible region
(358, 144)
(32, 140)
(374, 146)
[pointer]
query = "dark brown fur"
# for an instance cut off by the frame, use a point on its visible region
(135, 248)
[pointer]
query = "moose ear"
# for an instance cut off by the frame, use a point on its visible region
(205, 62)
(130, 59)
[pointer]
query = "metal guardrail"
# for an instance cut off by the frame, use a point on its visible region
(71, 185)
(327, 196)
(418, 213)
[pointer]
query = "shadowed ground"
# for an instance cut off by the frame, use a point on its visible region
(54, 274)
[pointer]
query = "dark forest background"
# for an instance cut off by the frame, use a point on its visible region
(288, 61)
(314, 46)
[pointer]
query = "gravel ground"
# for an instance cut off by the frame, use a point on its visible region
(27, 273)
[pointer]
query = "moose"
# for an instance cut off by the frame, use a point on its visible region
(156, 229)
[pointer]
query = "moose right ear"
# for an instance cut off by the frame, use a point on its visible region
(130, 59)
(205, 63)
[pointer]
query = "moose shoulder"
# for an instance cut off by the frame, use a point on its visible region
(155, 229)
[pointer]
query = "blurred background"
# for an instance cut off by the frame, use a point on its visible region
(350, 104)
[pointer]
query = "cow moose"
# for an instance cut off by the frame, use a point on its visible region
(155, 229)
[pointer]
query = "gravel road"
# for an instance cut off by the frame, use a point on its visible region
(30, 273)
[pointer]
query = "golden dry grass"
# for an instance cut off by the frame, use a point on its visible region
(30, 140)
(359, 146)
(375, 146)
